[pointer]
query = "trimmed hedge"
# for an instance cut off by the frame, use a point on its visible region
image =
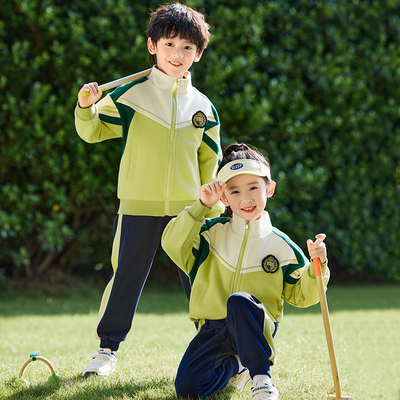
(314, 85)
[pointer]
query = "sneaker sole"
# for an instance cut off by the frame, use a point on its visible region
(89, 373)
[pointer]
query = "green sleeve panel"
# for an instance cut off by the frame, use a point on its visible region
(126, 113)
(210, 155)
(182, 233)
(208, 163)
(300, 285)
(201, 253)
(211, 134)
(91, 128)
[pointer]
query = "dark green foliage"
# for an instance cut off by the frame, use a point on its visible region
(58, 193)
(315, 85)
(312, 84)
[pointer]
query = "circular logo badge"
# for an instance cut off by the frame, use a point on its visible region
(270, 264)
(199, 119)
(236, 166)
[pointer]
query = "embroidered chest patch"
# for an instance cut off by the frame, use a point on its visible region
(270, 264)
(199, 119)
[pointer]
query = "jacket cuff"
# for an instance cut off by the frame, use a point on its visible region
(85, 114)
(311, 270)
(197, 210)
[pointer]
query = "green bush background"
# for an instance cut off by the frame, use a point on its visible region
(312, 84)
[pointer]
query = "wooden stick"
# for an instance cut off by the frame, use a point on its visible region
(328, 331)
(121, 81)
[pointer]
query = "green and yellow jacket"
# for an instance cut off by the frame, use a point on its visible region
(171, 143)
(223, 256)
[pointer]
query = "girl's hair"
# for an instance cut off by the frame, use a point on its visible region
(177, 19)
(240, 151)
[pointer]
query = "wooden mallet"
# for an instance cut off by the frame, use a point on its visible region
(328, 330)
(121, 81)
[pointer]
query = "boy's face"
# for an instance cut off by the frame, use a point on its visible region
(174, 55)
(247, 195)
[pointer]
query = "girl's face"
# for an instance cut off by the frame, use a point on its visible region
(247, 195)
(174, 55)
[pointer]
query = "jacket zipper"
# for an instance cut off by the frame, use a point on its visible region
(236, 280)
(171, 152)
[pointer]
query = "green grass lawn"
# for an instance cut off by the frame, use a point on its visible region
(365, 322)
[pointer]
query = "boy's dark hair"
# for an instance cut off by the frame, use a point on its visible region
(177, 19)
(240, 151)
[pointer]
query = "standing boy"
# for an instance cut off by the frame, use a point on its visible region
(171, 147)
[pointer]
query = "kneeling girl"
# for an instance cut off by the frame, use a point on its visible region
(241, 270)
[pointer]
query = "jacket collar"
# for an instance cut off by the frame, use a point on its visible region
(258, 228)
(167, 83)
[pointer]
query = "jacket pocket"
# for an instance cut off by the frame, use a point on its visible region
(195, 300)
(134, 151)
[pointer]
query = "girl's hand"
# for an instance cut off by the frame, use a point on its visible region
(211, 193)
(89, 94)
(317, 249)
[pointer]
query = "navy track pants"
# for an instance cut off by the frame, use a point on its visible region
(209, 361)
(136, 239)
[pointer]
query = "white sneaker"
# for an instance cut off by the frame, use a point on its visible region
(239, 380)
(265, 391)
(102, 363)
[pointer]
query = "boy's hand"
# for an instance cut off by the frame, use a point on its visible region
(211, 193)
(317, 249)
(89, 94)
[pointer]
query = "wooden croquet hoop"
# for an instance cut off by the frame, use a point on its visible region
(34, 358)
